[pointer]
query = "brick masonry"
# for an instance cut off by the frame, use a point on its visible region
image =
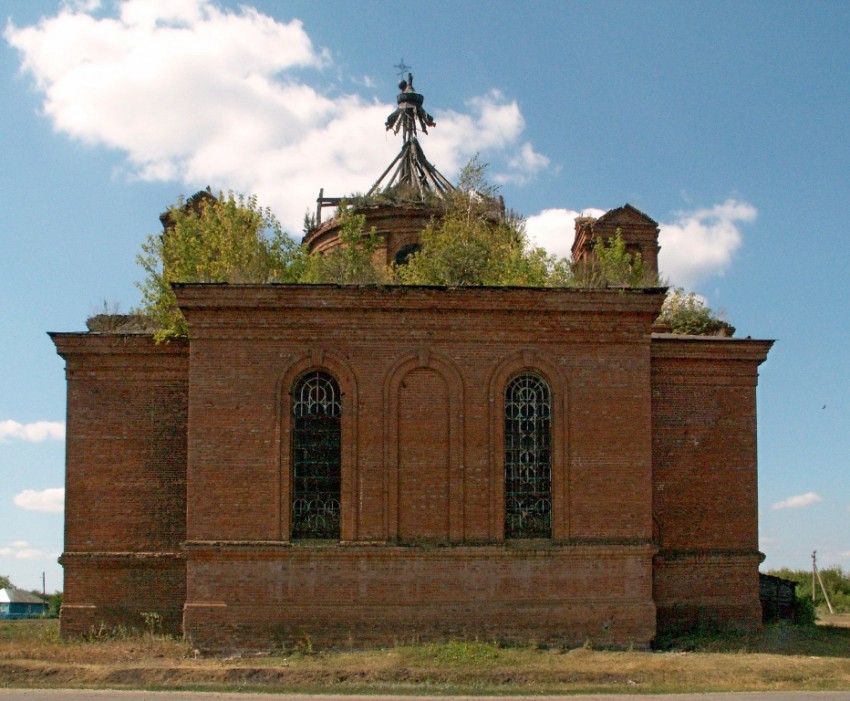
(178, 473)
(396, 227)
(125, 481)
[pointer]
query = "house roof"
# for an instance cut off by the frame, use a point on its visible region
(10, 595)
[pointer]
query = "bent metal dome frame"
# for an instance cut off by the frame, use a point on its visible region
(410, 170)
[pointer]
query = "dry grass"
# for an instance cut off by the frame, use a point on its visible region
(782, 657)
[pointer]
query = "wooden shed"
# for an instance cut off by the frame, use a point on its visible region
(778, 598)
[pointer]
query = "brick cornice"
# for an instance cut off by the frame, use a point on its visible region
(83, 343)
(206, 548)
(126, 357)
(680, 347)
(110, 556)
(208, 296)
(461, 313)
(709, 554)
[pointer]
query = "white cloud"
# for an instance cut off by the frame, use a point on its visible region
(203, 95)
(523, 166)
(34, 432)
(20, 550)
(799, 501)
(701, 243)
(52, 500)
(554, 229)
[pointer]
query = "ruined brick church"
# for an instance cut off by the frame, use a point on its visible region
(363, 464)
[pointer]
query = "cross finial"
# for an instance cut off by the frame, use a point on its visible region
(401, 68)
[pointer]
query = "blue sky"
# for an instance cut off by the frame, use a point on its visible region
(724, 121)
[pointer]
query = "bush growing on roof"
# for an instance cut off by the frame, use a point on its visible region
(687, 313)
(228, 238)
(476, 243)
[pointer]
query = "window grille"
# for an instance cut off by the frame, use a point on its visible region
(316, 412)
(528, 462)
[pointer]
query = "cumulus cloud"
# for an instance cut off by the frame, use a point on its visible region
(523, 166)
(52, 500)
(701, 243)
(694, 246)
(198, 94)
(554, 229)
(798, 502)
(21, 550)
(35, 432)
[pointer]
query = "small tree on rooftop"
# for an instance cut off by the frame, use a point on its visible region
(687, 313)
(475, 242)
(225, 239)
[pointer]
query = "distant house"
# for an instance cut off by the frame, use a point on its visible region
(15, 603)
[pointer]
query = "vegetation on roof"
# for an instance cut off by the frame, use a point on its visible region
(230, 238)
(687, 313)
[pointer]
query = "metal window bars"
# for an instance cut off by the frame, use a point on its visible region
(316, 444)
(528, 461)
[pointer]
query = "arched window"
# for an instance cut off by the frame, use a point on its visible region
(528, 461)
(316, 429)
(405, 253)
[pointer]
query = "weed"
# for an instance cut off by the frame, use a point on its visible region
(102, 632)
(460, 652)
(304, 646)
(153, 623)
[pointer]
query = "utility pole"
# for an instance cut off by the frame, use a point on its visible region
(814, 570)
(815, 573)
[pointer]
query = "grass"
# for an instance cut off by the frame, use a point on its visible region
(781, 657)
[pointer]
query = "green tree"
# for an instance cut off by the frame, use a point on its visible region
(355, 261)
(54, 603)
(476, 243)
(5, 582)
(225, 239)
(687, 313)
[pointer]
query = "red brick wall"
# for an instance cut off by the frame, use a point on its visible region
(423, 457)
(104, 590)
(705, 499)
(396, 228)
(244, 595)
(125, 484)
(593, 348)
(422, 372)
(183, 451)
